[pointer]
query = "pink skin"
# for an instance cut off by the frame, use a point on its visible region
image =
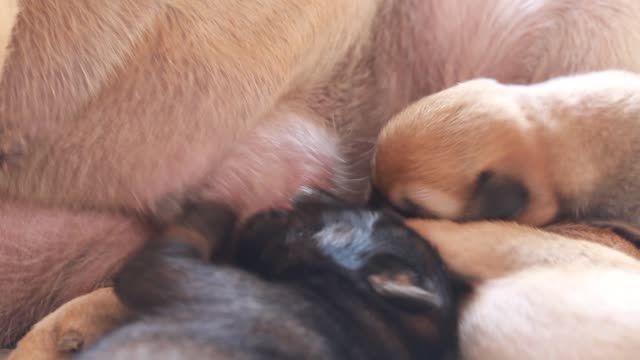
(48, 256)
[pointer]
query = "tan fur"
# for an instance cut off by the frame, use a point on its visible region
(134, 105)
(215, 82)
(540, 295)
(571, 141)
(72, 327)
(149, 61)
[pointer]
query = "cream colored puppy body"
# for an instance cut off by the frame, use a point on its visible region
(539, 295)
(588, 128)
(481, 149)
(579, 313)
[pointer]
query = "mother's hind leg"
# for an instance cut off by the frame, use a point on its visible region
(81, 321)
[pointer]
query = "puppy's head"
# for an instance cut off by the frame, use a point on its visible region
(466, 153)
(373, 251)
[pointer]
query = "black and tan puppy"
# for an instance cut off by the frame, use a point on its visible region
(530, 289)
(325, 281)
(568, 147)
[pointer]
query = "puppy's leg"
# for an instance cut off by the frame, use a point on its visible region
(71, 327)
(485, 250)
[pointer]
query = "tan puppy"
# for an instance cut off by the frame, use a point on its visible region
(567, 147)
(540, 295)
(111, 109)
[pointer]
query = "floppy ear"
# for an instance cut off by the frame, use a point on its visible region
(496, 197)
(399, 290)
(403, 288)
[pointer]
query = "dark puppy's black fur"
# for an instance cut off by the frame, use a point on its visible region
(326, 280)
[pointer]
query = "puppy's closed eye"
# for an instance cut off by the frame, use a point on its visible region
(496, 197)
(408, 208)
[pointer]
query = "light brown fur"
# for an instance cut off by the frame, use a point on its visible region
(147, 61)
(572, 142)
(72, 327)
(541, 295)
(111, 109)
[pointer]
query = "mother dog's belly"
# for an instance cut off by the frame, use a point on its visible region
(269, 166)
(50, 256)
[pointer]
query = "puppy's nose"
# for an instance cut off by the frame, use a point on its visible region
(497, 197)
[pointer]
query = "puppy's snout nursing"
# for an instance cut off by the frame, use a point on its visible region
(466, 153)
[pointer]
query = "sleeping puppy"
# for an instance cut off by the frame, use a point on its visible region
(325, 281)
(540, 295)
(565, 148)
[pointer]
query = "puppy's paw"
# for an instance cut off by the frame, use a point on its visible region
(72, 327)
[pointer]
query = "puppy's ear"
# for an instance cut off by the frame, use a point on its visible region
(496, 197)
(404, 288)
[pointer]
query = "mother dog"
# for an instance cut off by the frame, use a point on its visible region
(114, 109)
